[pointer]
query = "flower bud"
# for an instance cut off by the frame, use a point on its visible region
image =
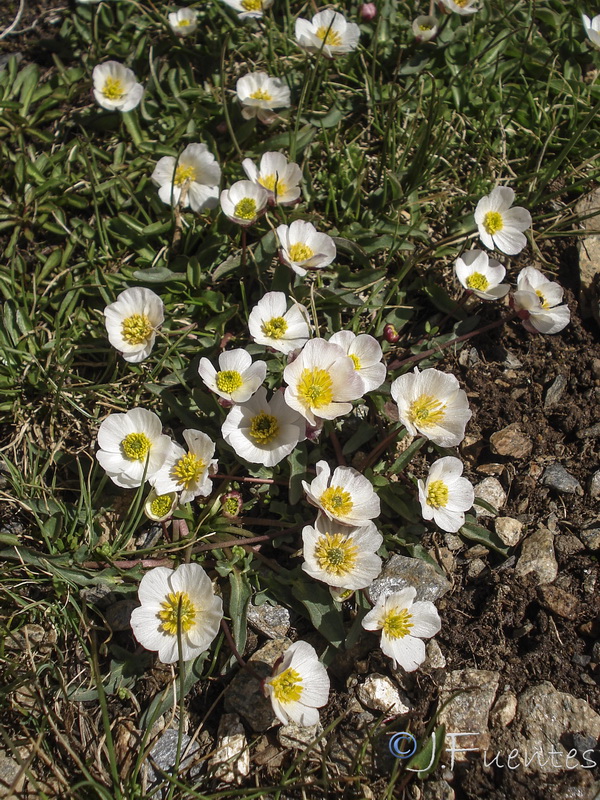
(390, 334)
(368, 11)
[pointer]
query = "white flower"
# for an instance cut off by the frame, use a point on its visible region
(271, 324)
(341, 556)
(445, 496)
(132, 321)
(328, 32)
(187, 473)
(264, 432)
(321, 381)
(259, 95)
(366, 355)
(425, 28)
(501, 226)
(433, 404)
(299, 686)
(277, 175)
(462, 7)
(592, 29)
(237, 379)
(346, 496)
(481, 275)
(159, 507)
(183, 21)
(131, 444)
(116, 87)
(248, 9)
(177, 599)
(244, 202)
(303, 247)
(402, 622)
(537, 302)
(193, 179)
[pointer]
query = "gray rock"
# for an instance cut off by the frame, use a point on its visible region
(163, 756)
(401, 571)
(591, 538)
(509, 530)
(118, 616)
(300, 737)
(556, 477)
(101, 596)
(589, 433)
(380, 694)
(504, 710)
(453, 542)
(435, 658)
(271, 621)
(438, 790)
(490, 490)
(558, 601)
(468, 711)
(595, 485)
(566, 544)
(10, 771)
(230, 761)
(537, 555)
(511, 442)
(476, 566)
(555, 391)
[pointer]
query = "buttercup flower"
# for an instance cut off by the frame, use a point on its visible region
(183, 21)
(481, 275)
(433, 404)
(277, 175)
(299, 686)
(244, 202)
(328, 32)
(271, 323)
(132, 444)
(264, 432)
(116, 87)
(237, 379)
(462, 7)
(187, 473)
(501, 226)
(177, 600)
(592, 29)
(402, 623)
(366, 355)
(160, 507)
(445, 496)
(341, 556)
(259, 95)
(192, 181)
(132, 321)
(537, 302)
(346, 496)
(425, 28)
(303, 247)
(248, 9)
(321, 381)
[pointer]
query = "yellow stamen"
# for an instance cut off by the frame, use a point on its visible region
(271, 183)
(315, 387)
(397, 623)
(493, 222)
(261, 94)
(336, 554)
(136, 329)
(287, 687)
(183, 174)
(478, 281)
(251, 5)
(329, 36)
(177, 608)
(426, 411)
(135, 446)
(437, 494)
(228, 380)
(264, 428)
(337, 501)
(274, 328)
(161, 505)
(188, 469)
(183, 23)
(355, 360)
(425, 27)
(543, 300)
(300, 252)
(113, 89)
(245, 209)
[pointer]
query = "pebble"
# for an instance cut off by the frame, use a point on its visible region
(230, 761)
(101, 595)
(555, 391)
(401, 571)
(595, 485)
(438, 790)
(492, 468)
(504, 710)
(300, 736)
(271, 621)
(511, 442)
(164, 754)
(468, 711)
(509, 530)
(476, 566)
(9, 773)
(118, 616)
(566, 545)
(591, 538)
(435, 658)
(558, 601)
(30, 636)
(589, 433)
(379, 694)
(490, 490)
(556, 477)
(537, 555)
(453, 542)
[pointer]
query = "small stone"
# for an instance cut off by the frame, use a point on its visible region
(591, 538)
(566, 545)
(468, 357)
(596, 652)
(581, 660)
(595, 485)
(379, 694)
(30, 636)
(589, 433)
(504, 710)
(490, 490)
(230, 761)
(556, 477)
(555, 391)
(299, 737)
(271, 621)
(435, 658)
(118, 616)
(401, 571)
(453, 542)
(102, 595)
(596, 368)
(511, 361)
(477, 551)
(537, 555)
(509, 530)
(9, 773)
(438, 790)
(476, 566)
(474, 692)
(491, 469)
(164, 756)
(558, 601)
(511, 442)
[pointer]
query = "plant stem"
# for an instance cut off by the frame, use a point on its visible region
(243, 664)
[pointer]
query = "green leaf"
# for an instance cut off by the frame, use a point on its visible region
(323, 613)
(427, 759)
(241, 592)
(165, 701)
(471, 530)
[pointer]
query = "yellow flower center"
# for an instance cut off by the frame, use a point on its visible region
(355, 360)
(245, 209)
(251, 5)
(543, 300)
(478, 281)
(231, 506)
(461, 3)
(271, 183)
(315, 387)
(113, 89)
(261, 94)
(188, 469)
(264, 428)
(300, 252)
(336, 553)
(337, 501)
(136, 446)
(183, 174)
(437, 494)
(425, 27)
(183, 23)
(328, 36)
(287, 687)
(136, 329)
(397, 623)
(426, 411)
(177, 611)
(274, 328)
(228, 380)
(161, 505)
(493, 222)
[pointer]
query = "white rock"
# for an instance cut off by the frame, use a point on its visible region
(300, 736)
(468, 711)
(435, 658)
(509, 530)
(490, 490)
(504, 710)
(380, 694)
(230, 762)
(537, 555)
